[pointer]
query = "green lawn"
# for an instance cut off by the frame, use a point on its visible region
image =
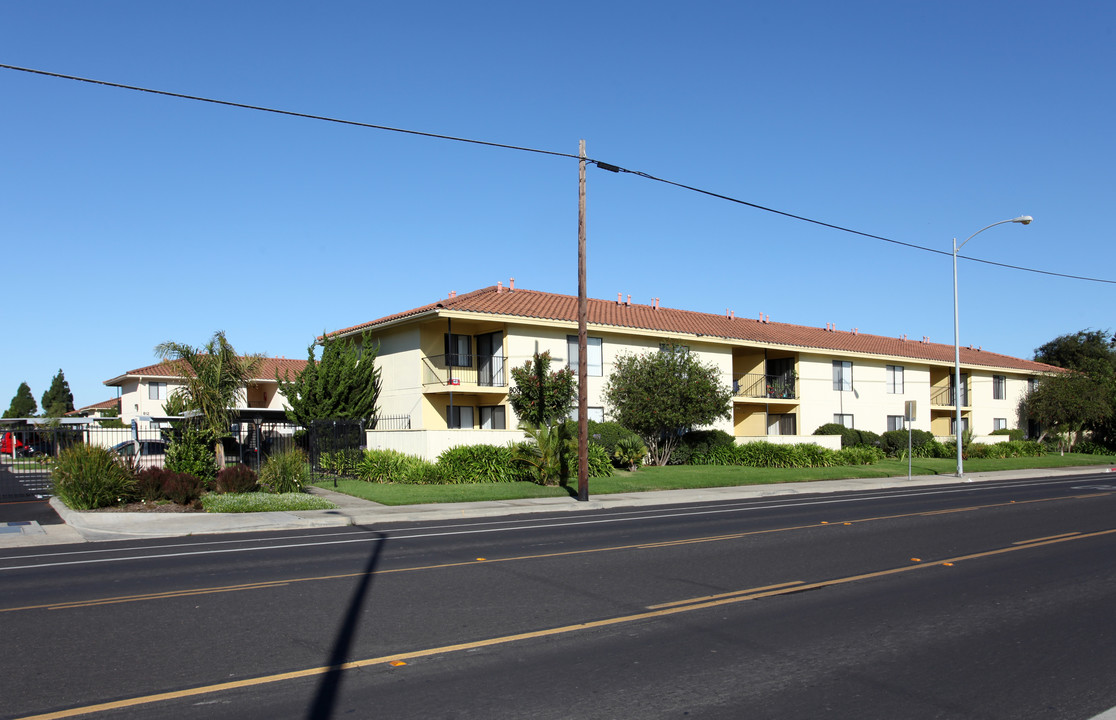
(676, 477)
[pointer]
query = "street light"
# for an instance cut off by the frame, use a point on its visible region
(1022, 220)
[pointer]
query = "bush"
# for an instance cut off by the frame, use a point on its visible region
(699, 442)
(477, 464)
(859, 455)
(149, 484)
(600, 463)
(850, 437)
(393, 466)
(285, 472)
(342, 462)
(182, 488)
(1089, 447)
(190, 451)
(237, 479)
(630, 453)
(1015, 434)
(88, 477)
(894, 442)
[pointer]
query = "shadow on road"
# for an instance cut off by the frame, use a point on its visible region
(326, 696)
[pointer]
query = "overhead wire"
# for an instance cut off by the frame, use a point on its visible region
(600, 164)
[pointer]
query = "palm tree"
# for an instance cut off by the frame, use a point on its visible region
(212, 377)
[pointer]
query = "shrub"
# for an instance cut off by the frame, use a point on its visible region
(477, 464)
(388, 466)
(149, 484)
(342, 462)
(190, 451)
(698, 442)
(850, 437)
(1089, 447)
(630, 452)
(88, 477)
(182, 488)
(600, 464)
(1012, 433)
(894, 442)
(859, 455)
(975, 451)
(285, 472)
(544, 454)
(237, 479)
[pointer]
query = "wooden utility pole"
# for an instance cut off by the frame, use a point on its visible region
(582, 340)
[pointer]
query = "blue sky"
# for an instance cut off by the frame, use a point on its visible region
(128, 219)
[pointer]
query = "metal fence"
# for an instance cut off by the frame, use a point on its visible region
(28, 452)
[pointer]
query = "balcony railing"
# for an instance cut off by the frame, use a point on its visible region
(772, 387)
(944, 397)
(473, 370)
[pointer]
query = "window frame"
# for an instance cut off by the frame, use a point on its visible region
(838, 420)
(497, 417)
(157, 391)
(891, 422)
(842, 380)
(454, 357)
(999, 387)
(595, 367)
(453, 417)
(895, 380)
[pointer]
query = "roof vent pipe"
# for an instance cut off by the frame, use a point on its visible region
(499, 286)
(511, 284)
(629, 299)
(619, 298)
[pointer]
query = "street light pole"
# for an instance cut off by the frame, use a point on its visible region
(1022, 220)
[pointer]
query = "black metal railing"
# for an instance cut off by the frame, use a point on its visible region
(944, 397)
(391, 422)
(476, 370)
(773, 387)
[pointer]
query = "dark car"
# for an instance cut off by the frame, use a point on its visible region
(144, 453)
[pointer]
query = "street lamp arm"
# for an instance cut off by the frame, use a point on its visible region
(1022, 220)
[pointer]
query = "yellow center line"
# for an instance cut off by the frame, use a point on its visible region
(488, 561)
(734, 593)
(1051, 537)
(658, 612)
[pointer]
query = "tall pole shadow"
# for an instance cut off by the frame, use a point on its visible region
(326, 697)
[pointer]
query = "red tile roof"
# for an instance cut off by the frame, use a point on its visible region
(170, 368)
(533, 304)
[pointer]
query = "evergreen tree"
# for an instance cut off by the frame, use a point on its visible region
(23, 404)
(58, 400)
(344, 384)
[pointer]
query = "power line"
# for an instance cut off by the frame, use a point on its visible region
(600, 164)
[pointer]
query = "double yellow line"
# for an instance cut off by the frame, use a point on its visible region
(654, 611)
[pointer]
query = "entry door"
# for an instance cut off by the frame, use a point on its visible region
(490, 359)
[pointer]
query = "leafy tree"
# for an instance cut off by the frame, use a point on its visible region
(1067, 403)
(540, 396)
(23, 404)
(660, 395)
(58, 400)
(1085, 350)
(344, 384)
(212, 376)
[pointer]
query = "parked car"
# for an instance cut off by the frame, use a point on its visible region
(143, 453)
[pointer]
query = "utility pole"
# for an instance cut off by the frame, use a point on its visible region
(582, 338)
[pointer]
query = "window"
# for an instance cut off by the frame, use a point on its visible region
(493, 418)
(999, 424)
(678, 349)
(460, 418)
(999, 387)
(459, 350)
(843, 419)
(953, 425)
(782, 424)
(895, 379)
(593, 351)
(157, 391)
(842, 375)
(894, 422)
(1032, 384)
(595, 414)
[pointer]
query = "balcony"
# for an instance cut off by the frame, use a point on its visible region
(453, 373)
(770, 387)
(944, 397)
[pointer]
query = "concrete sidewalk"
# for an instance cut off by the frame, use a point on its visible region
(96, 526)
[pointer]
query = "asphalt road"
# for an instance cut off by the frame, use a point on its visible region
(990, 600)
